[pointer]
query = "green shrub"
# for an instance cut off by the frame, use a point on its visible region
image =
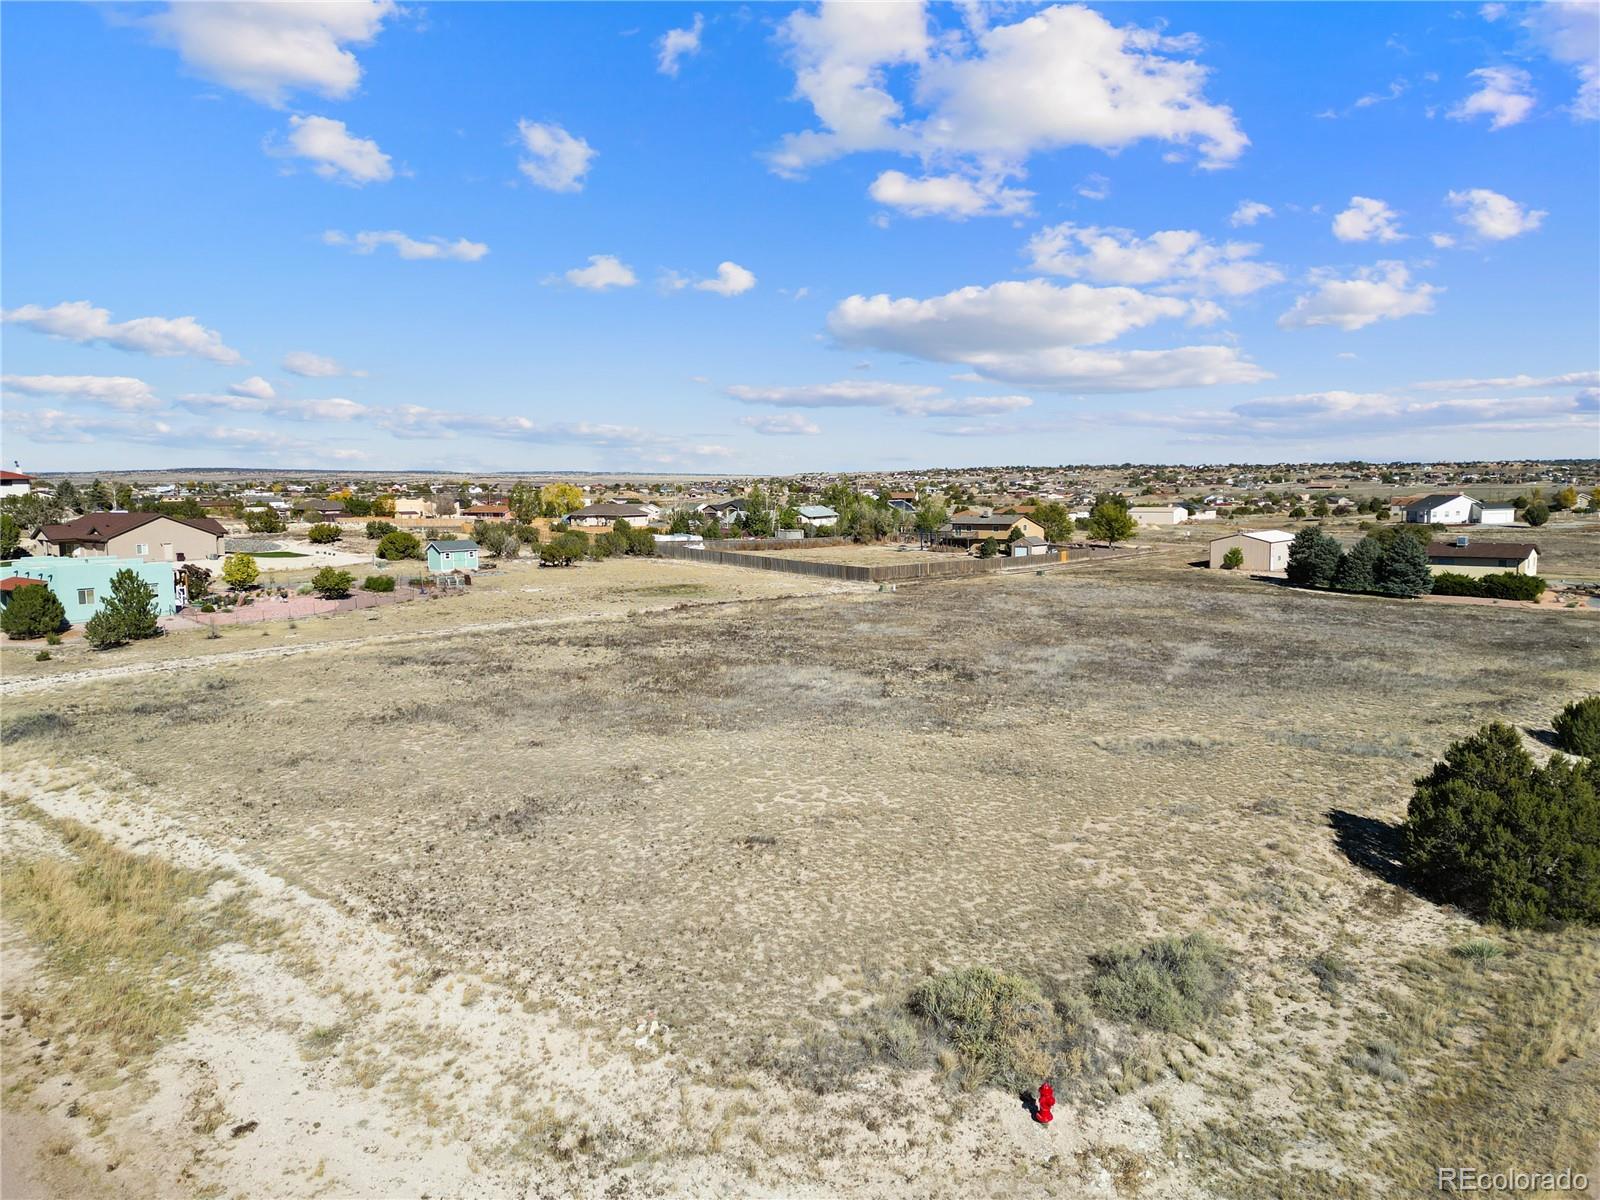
(378, 530)
(1577, 727)
(1513, 842)
(1002, 1027)
(323, 533)
(378, 583)
(1537, 513)
(52, 639)
(33, 611)
(42, 656)
(332, 584)
(1509, 585)
(1453, 583)
(1233, 559)
(1173, 984)
(1478, 950)
(398, 544)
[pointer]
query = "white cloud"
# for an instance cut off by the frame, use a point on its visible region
(1367, 220)
(555, 160)
(731, 280)
(1442, 241)
(414, 421)
(782, 425)
(1493, 216)
(1569, 33)
(121, 392)
(163, 337)
(604, 271)
(1249, 212)
(1382, 292)
(1181, 257)
(1512, 382)
(55, 426)
(1094, 187)
(948, 196)
(677, 44)
(907, 399)
(269, 50)
(365, 242)
(1491, 12)
(1506, 97)
(314, 366)
(1335, 412)
(255, 388)
(985, 103)
(335, 153)
(1032, 333)
(335, 408)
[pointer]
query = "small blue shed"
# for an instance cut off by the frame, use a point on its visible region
(458, 555)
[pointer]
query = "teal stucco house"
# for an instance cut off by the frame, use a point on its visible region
(82, 584)
(444, 557)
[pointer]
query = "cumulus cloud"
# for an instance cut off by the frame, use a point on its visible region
(1377, 293)
(1512, 382)
(1493, 216)
(1568, 31)
(1249, 212)
(1032, 332)
(334, 152)
(731, 280)
(255, 388)
(554, 159)
(335, 408)
(907, 399)
(782, 425)
(1505, 96)
(121, 392)
(985, 103)
(267, 51)
(953, 196)
(54, 426)
(1181, 258)
(314, 366)
(1367, 220)
(367, 241)
(163, 337)
(678, 44)
(604, 271)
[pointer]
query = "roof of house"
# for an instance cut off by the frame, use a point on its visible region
(608, 509)
(453, 544)
(321, 505)
(99, 528)
(998, 521)
(15, 477)
(12, 582)
(1031, 541)
(1267, 535)
(1483, 550)
(816, 510)
(486, 508)
(1436, 499)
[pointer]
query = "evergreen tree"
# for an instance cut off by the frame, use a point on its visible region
(67, 496)
(1402, 569)
(128, 614)
(1313, 558)
(33, 611)
(1358, 568)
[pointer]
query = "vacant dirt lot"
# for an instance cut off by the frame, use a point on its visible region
(865, 556)
(611, 906)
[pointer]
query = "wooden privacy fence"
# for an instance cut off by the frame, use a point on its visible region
(852, 572)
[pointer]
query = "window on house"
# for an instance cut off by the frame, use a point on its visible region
(85, 595)
(141, 548)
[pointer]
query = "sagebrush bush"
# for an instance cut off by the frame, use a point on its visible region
(378, 583)
(1577, 727)
(1004, 1029)
(1173, 984)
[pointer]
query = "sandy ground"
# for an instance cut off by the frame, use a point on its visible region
(582, 886)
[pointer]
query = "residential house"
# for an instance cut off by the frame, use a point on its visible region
(82, 584)
(1029, 547)
(14, 483)
(1265, 551)
(152, 537)
(487, 512)
(1496, 513)
(318, 510)
(1462, 556)
(1159, 514)
(415, 509)
(1441, 508)
(968, 528)
(456, 555)
(609, 513)
(817, 516)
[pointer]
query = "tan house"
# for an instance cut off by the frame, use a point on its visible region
(409, 508)
(968, 529)
(1466, 557)
(153, 537)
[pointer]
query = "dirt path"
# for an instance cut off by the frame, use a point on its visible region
(17, 687)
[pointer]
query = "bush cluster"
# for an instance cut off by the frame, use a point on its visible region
(1388, 562)
(1493, 832)
(1173, 984)
(378, 583)
(1002, 1027)
(1505, 585)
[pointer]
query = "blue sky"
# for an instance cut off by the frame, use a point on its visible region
(711, 238)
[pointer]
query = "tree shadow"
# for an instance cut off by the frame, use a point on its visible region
(1545, 737)
(1372, 844)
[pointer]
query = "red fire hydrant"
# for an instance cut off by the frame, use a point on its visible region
(1047, 1101)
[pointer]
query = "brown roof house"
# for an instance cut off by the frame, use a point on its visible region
(153, 537)
(1462, 556)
